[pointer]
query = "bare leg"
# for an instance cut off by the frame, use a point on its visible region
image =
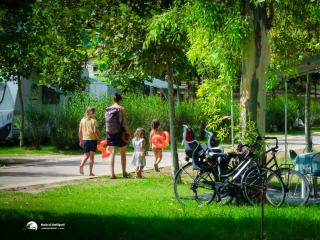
(83, 162)
(112, 155)
(140, 171)
(123, 161)
(156, 156)
(91, 162)
(137, 172)
(159, 157)
(155, 152)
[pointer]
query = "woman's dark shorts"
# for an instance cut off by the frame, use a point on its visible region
(89, 145)
(115, 140)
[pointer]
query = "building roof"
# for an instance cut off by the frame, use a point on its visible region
(158, 83)
(309, 65)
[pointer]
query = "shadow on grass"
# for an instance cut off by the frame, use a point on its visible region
(86, 226)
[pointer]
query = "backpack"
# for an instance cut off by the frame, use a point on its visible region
(113, 120)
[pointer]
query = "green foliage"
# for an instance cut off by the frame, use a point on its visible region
(275, 120)
(275, 114)
(215, 101)
(16, 42)
(216, 33)
(120, 56)
(39, 121)
(295, 35)
(190, 113)
(65, 134)
(60, 48)
(140, 109)
(102, 207)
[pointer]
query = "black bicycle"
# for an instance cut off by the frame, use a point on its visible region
(297, 185)
(222, 176)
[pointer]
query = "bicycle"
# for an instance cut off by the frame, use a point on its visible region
(297, 185)
(210, 175)
(260, 182)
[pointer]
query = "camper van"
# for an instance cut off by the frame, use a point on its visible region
(8, 96)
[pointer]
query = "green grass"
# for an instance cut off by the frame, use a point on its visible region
(44, 150)
(144, 209)
(294, 132)
(16, 151)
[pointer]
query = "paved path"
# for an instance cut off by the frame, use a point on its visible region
(51, 169)
(298, 141)
(34, 171)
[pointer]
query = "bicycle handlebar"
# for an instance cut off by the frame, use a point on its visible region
(260, 138)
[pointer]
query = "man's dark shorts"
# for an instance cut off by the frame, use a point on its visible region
(115, 140)
(89, 145)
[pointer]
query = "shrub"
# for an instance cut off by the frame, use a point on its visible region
(140, 109)
(190, 113)
(275, 113)
(39, 122)
(65, 134)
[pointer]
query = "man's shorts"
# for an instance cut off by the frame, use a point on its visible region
(89, 145)
(115, 140)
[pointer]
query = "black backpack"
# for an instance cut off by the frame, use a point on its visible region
(113, 120)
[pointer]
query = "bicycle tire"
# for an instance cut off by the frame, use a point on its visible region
(258, 180)
(194, 187)
(297, 187)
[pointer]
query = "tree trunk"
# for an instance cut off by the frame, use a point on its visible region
(307, 116)
(21, 111)
(315, 88)
(173, 145)
(178, 92)
(255, 61)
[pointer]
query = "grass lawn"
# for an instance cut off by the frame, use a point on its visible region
(294, 132)
(143, 209)
(16, 151)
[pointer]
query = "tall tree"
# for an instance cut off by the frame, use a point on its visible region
(130, 57)
(166, 33)
(46, 38)
(62, 31)
(234, 38)
(16, 45)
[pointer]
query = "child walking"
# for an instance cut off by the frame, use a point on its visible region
(139, 154)
(155, 130)
(88, 138)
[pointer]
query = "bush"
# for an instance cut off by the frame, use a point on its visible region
(296, 107)
(39, 122)
(275, 113)
(65, 134)
(315, 110)
(190, 113)
(140, 109)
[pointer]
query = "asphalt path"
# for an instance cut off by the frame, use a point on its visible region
(35, 170)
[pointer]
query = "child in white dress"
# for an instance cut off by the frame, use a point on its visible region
(139, 154)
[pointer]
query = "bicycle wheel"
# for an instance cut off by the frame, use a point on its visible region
(193, 187)
(226, 194)
(297, 187)
(259, 180)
